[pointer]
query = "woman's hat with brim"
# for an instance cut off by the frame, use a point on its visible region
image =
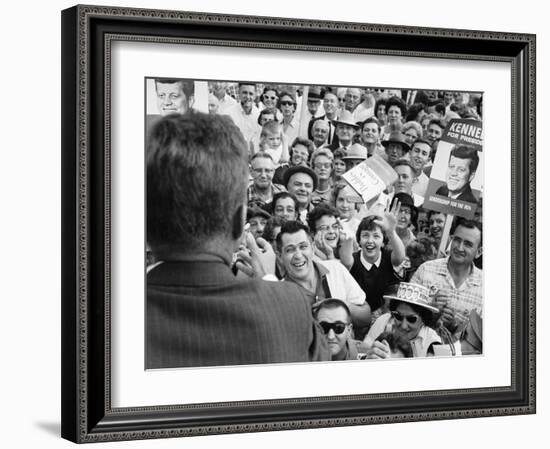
(404, 199)
(346, 118)
(300, 169)
(397, 137)
(413, 294)
(356, 151)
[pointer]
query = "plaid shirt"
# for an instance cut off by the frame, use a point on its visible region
(253, 195)
(435, 275)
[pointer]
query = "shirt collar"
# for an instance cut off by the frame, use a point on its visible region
(367, 264)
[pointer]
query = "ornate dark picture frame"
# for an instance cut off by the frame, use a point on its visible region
(87, 34)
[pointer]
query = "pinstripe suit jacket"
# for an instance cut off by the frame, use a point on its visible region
(200, 314)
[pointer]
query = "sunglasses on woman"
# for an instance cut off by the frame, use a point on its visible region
(411, 319)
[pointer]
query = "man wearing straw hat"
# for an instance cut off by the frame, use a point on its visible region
(345, 130)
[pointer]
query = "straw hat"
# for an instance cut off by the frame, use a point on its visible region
(413, 294)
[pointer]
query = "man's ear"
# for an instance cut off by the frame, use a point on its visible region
(239, 219)
(479, 252)
(472, 175)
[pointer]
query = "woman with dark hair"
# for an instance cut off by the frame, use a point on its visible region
(409, 325)
(380, 110)
(370, 137)
(269, 100)
(395, 111)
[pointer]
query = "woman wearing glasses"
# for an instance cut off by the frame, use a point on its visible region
(406, 330)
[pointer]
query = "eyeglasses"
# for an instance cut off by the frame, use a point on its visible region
(411, 319)
(286, 103)
(338, 327)
(259, 171)
(334, 227)
(269, 98)
(322, 165)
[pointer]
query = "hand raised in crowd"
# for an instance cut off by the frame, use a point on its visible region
(256, 257)
(390, 217)
(321, 247)
(346, 248)
(379, 350)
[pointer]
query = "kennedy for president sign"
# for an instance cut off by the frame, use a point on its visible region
(456, 180)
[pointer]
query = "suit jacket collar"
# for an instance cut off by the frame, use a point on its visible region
(194, 269)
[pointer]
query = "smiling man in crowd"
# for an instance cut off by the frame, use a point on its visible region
(262, 189)
(173, 96)
(454, 282)
(405, 180)
(463, 163)
(324, 279)
(300, 181)
(420, 156)
(245, 113)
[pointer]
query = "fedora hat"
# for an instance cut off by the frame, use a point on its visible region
(356, 151)
(314, 93)
(300, 169)
(346, 118)
(397, 137)
(413, 294)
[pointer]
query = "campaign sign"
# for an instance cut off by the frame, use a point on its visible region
(370, 177)
(456, 180)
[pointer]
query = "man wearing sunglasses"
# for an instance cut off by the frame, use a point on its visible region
(334, 317)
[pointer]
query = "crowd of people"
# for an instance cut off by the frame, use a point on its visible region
(262, 252)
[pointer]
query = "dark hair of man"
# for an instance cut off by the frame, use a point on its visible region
(280, 196)
(413, 111)
(187, 86)
(197, 174)
(437, 122)
(320, 211)
(370, 223)
(246, 83)
(331, 304)
(380, 102)
(425, 315)
(396, 101)
(290, 227)
(270, 226)
(469, 224)
(440, 108)
(403, 162)
(434, 212)
(466, 152)
(372, 120)
(265, 112)
(421, 140)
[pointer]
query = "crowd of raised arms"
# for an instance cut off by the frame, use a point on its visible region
(381, 279)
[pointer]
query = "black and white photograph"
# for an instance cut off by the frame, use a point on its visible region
(293, 223)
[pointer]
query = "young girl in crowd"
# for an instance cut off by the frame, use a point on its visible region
(273, 143)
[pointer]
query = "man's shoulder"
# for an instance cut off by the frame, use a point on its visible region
(433, 267)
